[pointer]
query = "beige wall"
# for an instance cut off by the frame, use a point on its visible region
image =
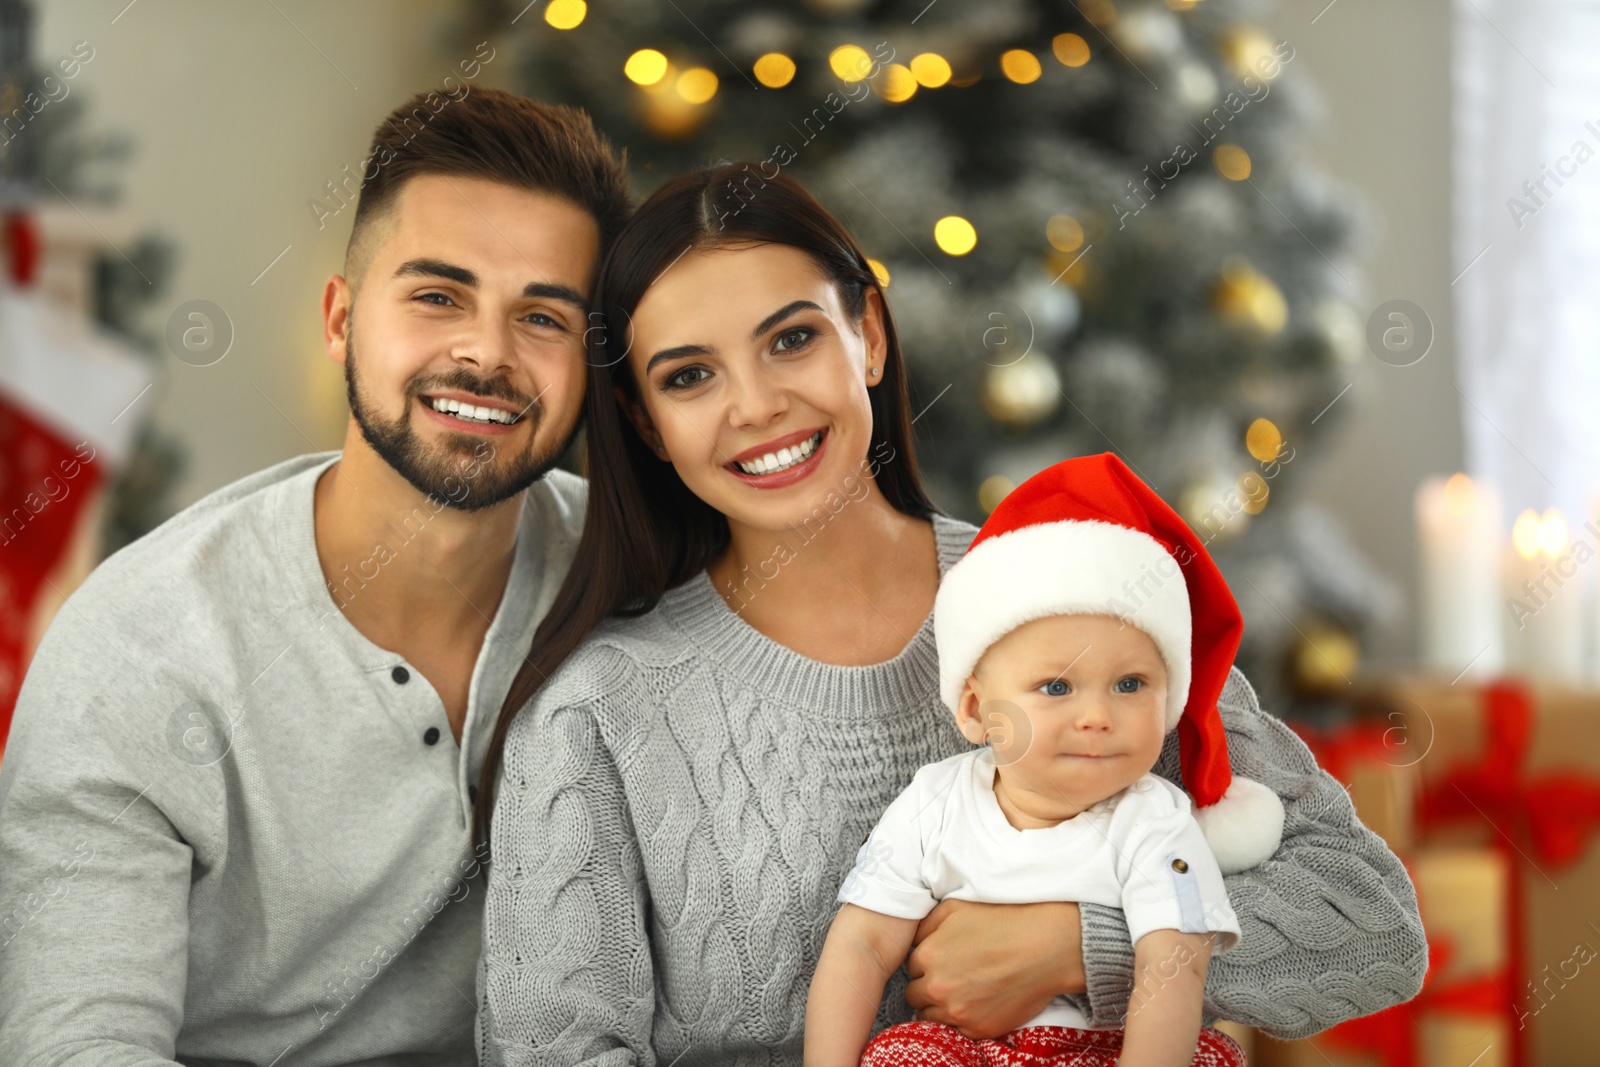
(1383, 69)
(237, 121)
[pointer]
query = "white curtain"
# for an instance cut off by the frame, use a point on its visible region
(1527, 241)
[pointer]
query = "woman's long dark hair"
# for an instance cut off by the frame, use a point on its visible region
(644, 532)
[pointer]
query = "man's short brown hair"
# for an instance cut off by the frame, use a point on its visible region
(496, 135)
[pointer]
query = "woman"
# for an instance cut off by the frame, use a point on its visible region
(739, 675)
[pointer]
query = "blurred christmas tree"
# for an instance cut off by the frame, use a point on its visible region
(1097, 231)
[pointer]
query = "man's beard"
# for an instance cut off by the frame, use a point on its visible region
(464, 472)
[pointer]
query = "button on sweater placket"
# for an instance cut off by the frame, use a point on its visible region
(400, 675)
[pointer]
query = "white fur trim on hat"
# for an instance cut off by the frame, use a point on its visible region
(1062, 568)
(1244, 827)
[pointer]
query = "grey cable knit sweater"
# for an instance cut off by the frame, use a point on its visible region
(682, 801)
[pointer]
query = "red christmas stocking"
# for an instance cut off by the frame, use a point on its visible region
(44, 482)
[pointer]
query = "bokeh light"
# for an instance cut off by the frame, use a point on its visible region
(850, 62)
(1021, 66)
(955, 235)
(930, 69)
(645, 67)
(774, 70)
(565, 14)
(1070, 49)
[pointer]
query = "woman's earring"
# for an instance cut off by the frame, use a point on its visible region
(874, 372)
(661, 450)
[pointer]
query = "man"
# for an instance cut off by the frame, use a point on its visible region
(235, 804)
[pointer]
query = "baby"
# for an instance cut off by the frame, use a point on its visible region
(1085, 623)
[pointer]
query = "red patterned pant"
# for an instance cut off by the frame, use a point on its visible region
(938, 1045)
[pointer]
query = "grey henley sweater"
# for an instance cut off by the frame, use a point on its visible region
(232, 829)
(682, 801)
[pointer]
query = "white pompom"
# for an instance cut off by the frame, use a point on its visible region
(1245, 827)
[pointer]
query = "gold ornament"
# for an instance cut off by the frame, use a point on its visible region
(1022, 393)
(1064, 233)
(1214, 510)
(1264, 440)
(1072, 269)
(1233, 162)
(1253, 491)
(1099, 12)
(994, 489)
(1246, 297)
(1249, 52)
(1325, 659)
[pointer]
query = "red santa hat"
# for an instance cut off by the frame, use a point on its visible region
(1088, 537)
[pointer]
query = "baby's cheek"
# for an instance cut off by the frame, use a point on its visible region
(1154, 737)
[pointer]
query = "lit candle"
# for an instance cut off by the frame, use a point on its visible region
(1459, 607)
(1544, 600)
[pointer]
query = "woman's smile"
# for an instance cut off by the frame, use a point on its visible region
(782, 461)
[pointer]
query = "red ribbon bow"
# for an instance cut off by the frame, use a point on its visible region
(1556, 813)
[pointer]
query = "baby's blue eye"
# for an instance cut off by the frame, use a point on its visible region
(1056, 688)
(1129, 685)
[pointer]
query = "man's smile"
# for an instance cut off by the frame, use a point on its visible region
(469, 408)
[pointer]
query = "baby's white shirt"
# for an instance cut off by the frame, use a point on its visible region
(1140, 850)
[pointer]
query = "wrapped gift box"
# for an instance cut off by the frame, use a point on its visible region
(1509, 770)
(1462, 1016)
(1516, 766)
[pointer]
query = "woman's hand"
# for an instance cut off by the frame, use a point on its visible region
(986, 969)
